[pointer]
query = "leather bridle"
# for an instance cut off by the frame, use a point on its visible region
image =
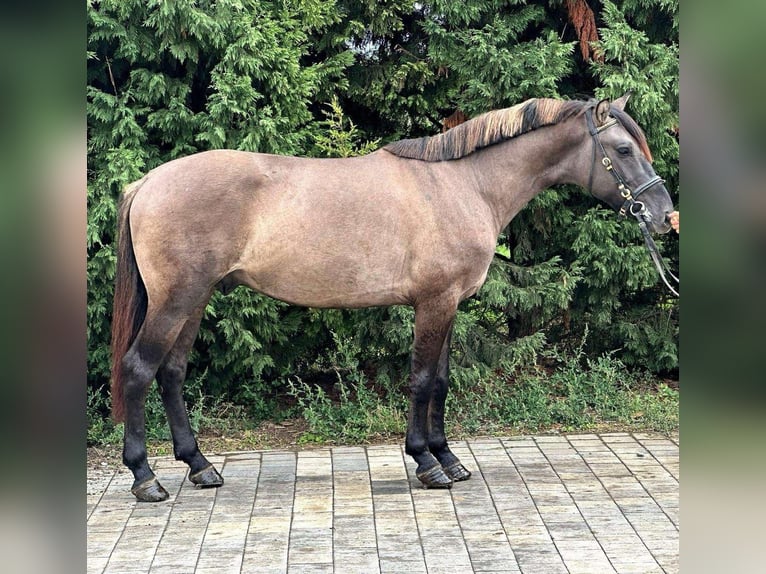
(630, 204)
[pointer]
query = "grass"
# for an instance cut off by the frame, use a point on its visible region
(357, 414)
(562, 394)
(571, 394)
(566, 401)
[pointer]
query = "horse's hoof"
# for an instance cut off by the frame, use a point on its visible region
(457, 472)
(434, 477)
(208, 477)
(150, 491)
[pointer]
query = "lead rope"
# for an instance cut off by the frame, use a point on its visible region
(657, 259)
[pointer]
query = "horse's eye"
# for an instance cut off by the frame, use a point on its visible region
(623, 150)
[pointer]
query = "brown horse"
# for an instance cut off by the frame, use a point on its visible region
(414, 223)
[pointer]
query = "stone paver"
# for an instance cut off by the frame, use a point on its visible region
(585, 503)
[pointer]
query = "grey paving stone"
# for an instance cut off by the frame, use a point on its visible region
(393, 566)
(173, 568)
(583, 503)
(310, 569)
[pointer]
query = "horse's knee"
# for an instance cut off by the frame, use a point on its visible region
(421, 384)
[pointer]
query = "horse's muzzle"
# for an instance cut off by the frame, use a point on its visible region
(663, 226)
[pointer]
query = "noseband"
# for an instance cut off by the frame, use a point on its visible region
(630, 204)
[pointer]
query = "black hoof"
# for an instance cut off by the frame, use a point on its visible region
(150, 491)
(434, 477)
(208, 477)
(457, 472)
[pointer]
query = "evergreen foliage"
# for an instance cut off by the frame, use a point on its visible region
(338, 78)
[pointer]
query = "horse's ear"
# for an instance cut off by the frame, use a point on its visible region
(619, 103)
(602, 112)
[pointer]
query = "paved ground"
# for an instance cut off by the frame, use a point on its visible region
(584, 503)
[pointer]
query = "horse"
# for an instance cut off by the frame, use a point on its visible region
(413, 223)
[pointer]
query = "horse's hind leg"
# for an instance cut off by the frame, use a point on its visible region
(170, 377)
(139, 365)
(437, 439)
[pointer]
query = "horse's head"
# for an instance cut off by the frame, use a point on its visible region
(621, 173)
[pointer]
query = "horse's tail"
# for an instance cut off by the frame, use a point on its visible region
(130, 300)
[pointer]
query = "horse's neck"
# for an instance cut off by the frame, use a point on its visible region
(510, 174)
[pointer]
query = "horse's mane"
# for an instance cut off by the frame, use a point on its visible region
(500, 125)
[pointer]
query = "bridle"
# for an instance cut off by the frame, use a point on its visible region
(630, 204)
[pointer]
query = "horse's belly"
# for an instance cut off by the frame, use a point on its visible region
(309, 292)
(332, 281)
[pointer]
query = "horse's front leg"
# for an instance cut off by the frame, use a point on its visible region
(437, 438)
(432, 324)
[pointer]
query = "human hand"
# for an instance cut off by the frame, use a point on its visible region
(674, 221)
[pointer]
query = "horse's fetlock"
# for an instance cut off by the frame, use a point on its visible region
(445, 456)
(438, 446)
(133, 456)
(186, 451)
(415, 447)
